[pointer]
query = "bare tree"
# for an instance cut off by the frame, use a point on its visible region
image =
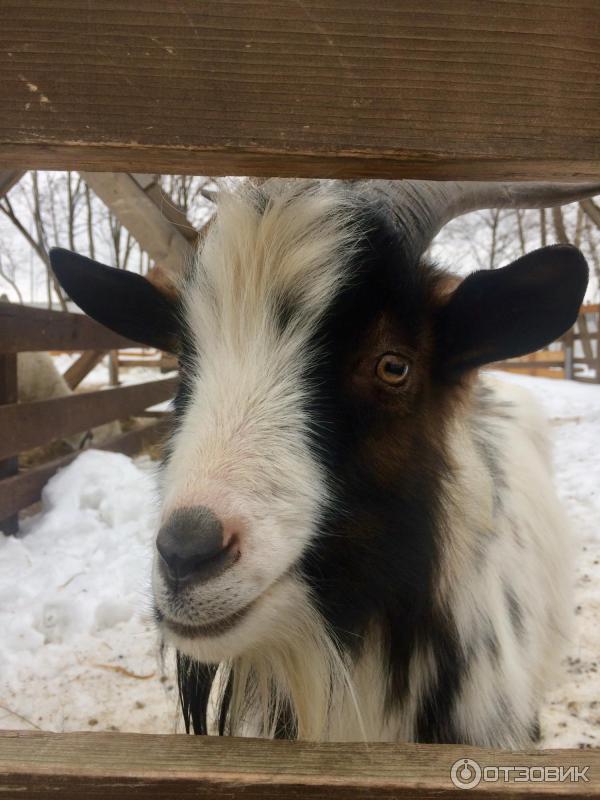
(7, 272)
(89, 222)
(37, 242)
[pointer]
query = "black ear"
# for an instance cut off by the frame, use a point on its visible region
(123, 301)
(503, 313)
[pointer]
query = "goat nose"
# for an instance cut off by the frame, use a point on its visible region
(192, 548)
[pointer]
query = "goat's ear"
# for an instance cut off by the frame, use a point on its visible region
(122, 301)
(498, 314)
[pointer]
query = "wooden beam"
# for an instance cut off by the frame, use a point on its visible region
(82, 367)
(9, 521)
(23, 329)
(28, 425)
(19, 491)
(339, 88)
(142, 218)
(124, 766)
(593, 212)
(8, 179)
(166, 205)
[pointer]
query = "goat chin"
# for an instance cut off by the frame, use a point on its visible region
(284, 663)
(403, 561)
(358, 529)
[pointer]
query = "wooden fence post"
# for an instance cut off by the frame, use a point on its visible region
(8, 394)
(569, 347)
(113, 368)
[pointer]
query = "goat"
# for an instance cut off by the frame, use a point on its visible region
(39, 379)
(360, 536)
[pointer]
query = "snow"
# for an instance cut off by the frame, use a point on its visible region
(78, 649)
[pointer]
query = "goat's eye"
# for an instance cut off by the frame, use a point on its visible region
(392, 369)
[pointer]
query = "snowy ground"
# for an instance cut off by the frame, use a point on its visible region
(77, 647)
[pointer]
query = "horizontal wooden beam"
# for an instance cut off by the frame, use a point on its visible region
(24, 329)
(338, 88)
(124, 766)
(524, 366)
(22, 490)
(28, 425)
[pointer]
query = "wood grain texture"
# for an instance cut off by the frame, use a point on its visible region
(344, 88)
(19, 491)
(124, 766)
(24, 329)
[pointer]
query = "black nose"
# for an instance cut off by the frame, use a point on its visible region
(191, 546)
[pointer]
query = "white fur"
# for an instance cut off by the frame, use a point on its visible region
(242, 450)
(528, 551)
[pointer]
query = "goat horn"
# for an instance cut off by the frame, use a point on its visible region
(422, 208)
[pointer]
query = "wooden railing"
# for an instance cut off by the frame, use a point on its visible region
(123, 766)
(441, 90)
(576, 356)
(24, 426)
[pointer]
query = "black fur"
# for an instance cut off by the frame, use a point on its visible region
(503, 313)
(377, 550)
(123, 301)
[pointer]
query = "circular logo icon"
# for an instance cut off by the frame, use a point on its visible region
(465, 773)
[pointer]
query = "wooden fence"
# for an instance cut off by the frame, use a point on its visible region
(441, 89)
(26, 425)
(576, 356)
(123, 766)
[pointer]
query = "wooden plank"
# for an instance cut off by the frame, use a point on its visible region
(143, 219)
(23, 328)
(524, 366)
(168, 362)
(536, 372)
(82, 367)
(167, 205)
(20, 491)
(27, 425)
(8, 179)
(121, 766)
(113, 368)
(342, 88)
(586, 337)
(139, 362)
(568, 342)
(9, 521)
(540, 357)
